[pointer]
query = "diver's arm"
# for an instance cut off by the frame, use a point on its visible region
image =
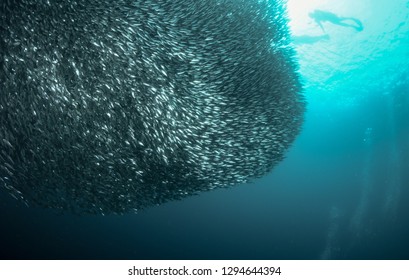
(320, 25)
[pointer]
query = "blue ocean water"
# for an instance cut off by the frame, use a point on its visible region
(341, 193)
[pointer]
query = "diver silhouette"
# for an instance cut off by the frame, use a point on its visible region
(323, 16)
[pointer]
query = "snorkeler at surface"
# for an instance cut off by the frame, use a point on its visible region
(323, 16)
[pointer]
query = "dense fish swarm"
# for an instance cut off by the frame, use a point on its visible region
(109, 106)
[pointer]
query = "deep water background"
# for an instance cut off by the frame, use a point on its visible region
(341, 193)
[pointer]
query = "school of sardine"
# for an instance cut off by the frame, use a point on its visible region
(112, 106)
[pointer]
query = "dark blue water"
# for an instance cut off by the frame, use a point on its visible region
(341, 193)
